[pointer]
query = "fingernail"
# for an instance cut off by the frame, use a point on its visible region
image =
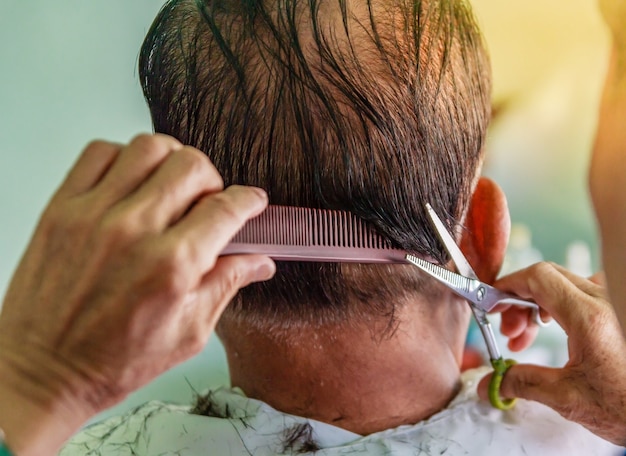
(265, 271)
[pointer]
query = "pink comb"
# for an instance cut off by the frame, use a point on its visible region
(300, 234)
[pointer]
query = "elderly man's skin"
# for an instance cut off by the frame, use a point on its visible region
(590, 389)
(120, 282)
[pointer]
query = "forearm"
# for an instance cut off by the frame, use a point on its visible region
(607, 183)
(37, 413)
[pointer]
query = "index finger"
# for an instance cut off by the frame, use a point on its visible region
(89, 168)
(566, 296)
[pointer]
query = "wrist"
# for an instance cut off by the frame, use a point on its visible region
(38, 410)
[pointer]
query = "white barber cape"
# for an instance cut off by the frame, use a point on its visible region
(236, 426)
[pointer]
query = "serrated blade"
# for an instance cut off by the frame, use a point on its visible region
(459, 284)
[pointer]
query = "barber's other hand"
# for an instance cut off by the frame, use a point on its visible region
(608, 167)
(120, 282)
(591, 388)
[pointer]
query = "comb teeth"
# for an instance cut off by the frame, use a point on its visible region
(296, 226)
(288, 227)
(301, 234)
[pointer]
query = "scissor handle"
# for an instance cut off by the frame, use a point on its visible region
(536, 315)
(487, 297)
(500, 367)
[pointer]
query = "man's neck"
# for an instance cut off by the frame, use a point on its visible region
(351, 376)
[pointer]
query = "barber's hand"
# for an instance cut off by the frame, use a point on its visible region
(120, 282)
(591, 388)
(517, 324)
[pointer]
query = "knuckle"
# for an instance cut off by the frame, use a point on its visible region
(145, 142)
(552, 265)
(232, 277)
(153, 146)
(210, 172)
(226, 207)
(94, 147)
(518, 382)
(233, 280)
(537, 278)
(193, 161)
(543, 267)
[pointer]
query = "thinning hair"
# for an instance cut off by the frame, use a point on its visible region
(374, 107)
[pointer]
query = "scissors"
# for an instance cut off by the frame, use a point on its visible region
(481, 297)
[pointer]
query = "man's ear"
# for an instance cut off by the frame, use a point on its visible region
(487, 228)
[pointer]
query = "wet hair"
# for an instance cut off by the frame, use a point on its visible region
(374, 107)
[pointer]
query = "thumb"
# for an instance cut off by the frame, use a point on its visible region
(230, 274)
(527, 381)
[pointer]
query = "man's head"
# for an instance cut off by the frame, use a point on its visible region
(374, 107)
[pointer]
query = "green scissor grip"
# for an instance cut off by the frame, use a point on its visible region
(500, 366)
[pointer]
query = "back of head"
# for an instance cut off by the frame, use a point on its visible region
(374, 107)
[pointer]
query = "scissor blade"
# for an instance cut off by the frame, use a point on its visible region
(456, 282)
(462, 265)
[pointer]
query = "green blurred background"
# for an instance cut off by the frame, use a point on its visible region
(68, 75)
